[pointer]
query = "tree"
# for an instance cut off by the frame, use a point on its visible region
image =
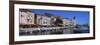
(58, 22)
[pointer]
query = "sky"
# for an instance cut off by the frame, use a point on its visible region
(82, 17)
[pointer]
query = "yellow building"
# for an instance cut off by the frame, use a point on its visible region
(66, 22)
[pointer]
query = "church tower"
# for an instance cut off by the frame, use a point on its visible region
(74, 21)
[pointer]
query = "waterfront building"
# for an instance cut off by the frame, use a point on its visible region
(26, 16)
(53, 20)
(23, 17)
(46, 20)
(66, 21)
(31, 18)
(38, 19)
(43, 20)
(73, 21)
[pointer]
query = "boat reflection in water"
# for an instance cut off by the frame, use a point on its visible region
(81, 30)
(45, 31)
(52, 30)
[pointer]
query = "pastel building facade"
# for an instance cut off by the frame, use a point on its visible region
(23, 17)
(26, 17)
(43, 20)
(73, 21)
(66, 22)
(38, 19)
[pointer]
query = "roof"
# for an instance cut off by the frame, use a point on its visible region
(25, 10)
